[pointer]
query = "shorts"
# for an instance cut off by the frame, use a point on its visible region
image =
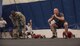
(2, 29)
(53, 21)
(60, 24)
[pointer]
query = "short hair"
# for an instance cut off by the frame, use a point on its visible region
(13, 11)
(55, 8)
(1, 17)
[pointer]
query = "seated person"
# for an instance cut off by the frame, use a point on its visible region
(68, 34)
(29, 29)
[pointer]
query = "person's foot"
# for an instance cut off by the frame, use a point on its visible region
(53, 37)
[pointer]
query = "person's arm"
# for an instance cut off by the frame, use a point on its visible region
(5, 22)
(23, 19)
(11, 19)
(60, 18)
(31, 23)
(63, 35)
(50, 19)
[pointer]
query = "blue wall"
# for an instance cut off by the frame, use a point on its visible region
(41, 11)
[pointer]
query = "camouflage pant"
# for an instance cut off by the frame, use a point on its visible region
(17, 32)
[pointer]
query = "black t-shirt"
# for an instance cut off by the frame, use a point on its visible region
(59, 15)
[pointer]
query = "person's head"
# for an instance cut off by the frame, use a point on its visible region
(30, 21)
(1, 18)
(28, 24)
(13, 13)
(56, 11)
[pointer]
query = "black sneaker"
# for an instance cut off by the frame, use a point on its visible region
(53, 37)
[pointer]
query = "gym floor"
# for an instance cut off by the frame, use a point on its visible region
(40, 42)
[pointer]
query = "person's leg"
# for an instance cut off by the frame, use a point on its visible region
(23, 32)
(0, 32)
(53, 29)
(15, 33)
(5, 32)
(66, 26)
(20, 31)
(66, 29)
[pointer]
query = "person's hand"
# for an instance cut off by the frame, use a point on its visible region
(49, 20)
(55, 15)
(30, 20)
